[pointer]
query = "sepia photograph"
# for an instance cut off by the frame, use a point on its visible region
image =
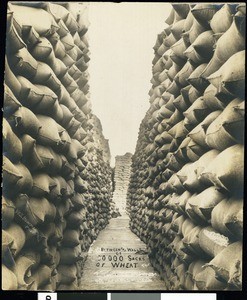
(123, 147)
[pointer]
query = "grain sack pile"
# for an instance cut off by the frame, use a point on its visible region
(56, 180)
(121, 181)
(186, 187)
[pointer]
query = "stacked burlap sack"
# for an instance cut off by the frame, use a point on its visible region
(56, 185)
(186, 186)
(121, 181)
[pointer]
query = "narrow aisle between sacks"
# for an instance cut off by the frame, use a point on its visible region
(118, 260)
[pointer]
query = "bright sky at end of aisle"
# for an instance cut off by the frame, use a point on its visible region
(121, 39)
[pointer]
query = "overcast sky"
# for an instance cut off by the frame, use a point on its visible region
(121, 37)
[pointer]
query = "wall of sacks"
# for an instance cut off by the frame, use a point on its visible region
(121, 181)
(56, 182)
(186, 187)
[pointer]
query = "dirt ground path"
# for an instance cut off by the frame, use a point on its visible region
(118, 260)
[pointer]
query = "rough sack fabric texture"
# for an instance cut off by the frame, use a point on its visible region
(185, 196)
(56, 165)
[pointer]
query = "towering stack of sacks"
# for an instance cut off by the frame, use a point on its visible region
(186, 187)
(56, 183)
(121, 181)
(101, 140)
